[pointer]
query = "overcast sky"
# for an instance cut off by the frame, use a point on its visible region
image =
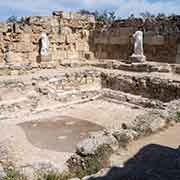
(123, 7)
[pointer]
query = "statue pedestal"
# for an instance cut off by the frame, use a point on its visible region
(137, 58)
(44, 59)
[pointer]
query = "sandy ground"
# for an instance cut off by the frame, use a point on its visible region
(169, 138)
(55, 142)
(53, 136)
(104, 113)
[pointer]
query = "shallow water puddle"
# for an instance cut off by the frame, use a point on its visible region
(60, 135)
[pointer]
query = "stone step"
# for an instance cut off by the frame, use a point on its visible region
(65, 104)
(51, 89)
(14, 101)
(121, 97)
(136, 67)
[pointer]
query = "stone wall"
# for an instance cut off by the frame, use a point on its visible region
(146, 86)
(46, 90)
(68, 35)
(161, 37)
(75, 37)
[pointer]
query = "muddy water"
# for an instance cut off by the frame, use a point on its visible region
(61, 135)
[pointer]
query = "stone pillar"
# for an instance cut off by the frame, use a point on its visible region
(138, 55)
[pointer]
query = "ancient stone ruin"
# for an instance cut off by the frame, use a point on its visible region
(74, 93)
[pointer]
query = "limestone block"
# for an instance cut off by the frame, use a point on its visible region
(101, 40)
(39, 20)
(26, 37)
(82, 46)
(72, 54)
(154, 40)
(178, 48)
(17, 28)
(58, 38)
(17, 58)
(14, 73)
(54, 22)
(125, 31)
(75, 16)
(27, 28)
(178, 58)
(59, 55)
(32, 56)
(37, 29)
(46, 58)
(66, 30)
(35, 38)
(3, 27)
(178, 54)
(121, 40)
(90, 145)
(22, 47)
(70, 38)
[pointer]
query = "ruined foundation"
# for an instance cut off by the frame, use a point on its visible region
(64, 109)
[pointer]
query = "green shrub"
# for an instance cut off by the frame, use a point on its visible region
(91, 164)
(55, 176)
(178, 115)
(12, 174)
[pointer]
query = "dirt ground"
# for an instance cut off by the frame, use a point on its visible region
(104, 113)
(169, 138)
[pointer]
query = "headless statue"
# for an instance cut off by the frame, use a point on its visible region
(138, 44)
(44, 44)
(138, 55)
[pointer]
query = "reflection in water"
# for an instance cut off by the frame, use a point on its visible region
(60, 135)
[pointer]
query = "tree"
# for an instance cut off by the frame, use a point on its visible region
(161, 15)
(146, 15)
(101, 16)
(112, 16)
(12, 19)
(84, 11)
(131, 16)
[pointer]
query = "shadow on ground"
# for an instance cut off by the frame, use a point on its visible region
(152, 162)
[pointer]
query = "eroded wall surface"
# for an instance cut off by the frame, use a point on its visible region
(161, 39)
(76, 37)
(68, 35)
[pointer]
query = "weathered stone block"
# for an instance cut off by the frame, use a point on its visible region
(42, 59)
(154, 40)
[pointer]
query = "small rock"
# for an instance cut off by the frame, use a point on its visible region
(157, 124)
(101, 173)
(124, 136)
(2, 173)
(96, 140)
(148, 123)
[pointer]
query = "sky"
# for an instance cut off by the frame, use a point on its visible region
(123, 8)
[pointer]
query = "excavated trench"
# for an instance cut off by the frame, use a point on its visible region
(119, 99)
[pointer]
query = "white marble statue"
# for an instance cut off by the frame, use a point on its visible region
(138, 44)
(44, 44)
(138, 55)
